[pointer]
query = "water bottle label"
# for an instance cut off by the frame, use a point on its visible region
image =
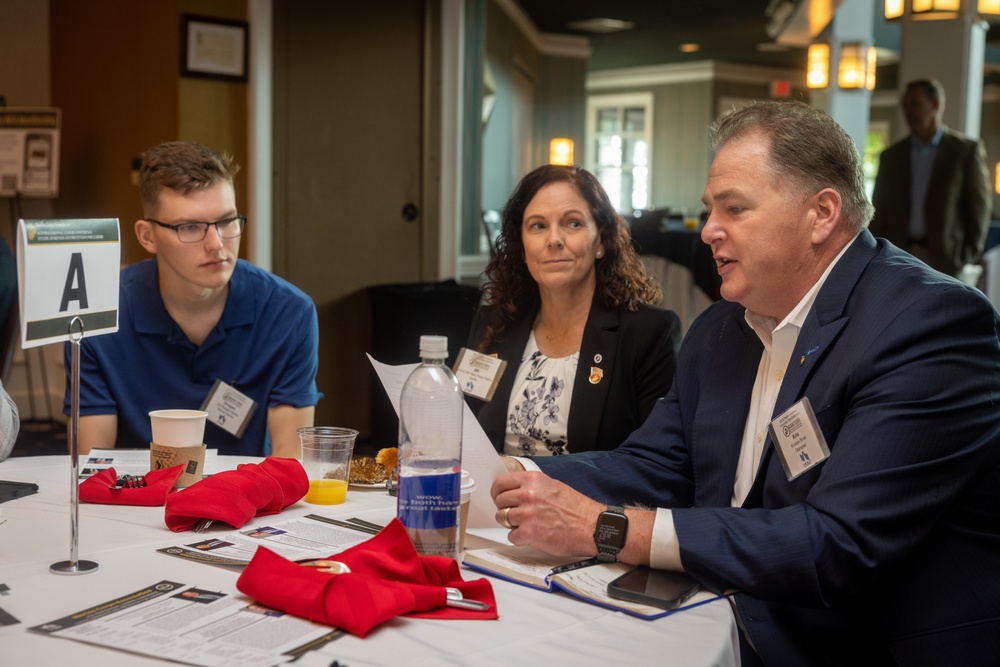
(429, 502)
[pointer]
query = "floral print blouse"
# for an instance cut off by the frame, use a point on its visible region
(538, 416)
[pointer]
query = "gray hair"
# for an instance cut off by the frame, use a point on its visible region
(806, 145)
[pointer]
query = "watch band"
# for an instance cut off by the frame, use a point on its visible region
(607, 553)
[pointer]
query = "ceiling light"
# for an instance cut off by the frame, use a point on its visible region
(690, 48)
(601, 26)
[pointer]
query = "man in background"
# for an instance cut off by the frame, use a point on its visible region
(197, 324)
(830, 446)
(932, 192)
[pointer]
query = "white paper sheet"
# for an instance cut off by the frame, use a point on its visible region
(478, 455)
(197, 626)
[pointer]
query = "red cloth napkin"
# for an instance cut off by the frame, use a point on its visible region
(236, 496)
(159, 483)
(387, 579)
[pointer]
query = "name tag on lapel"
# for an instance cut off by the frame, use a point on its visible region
(798, 439)
(478, 374)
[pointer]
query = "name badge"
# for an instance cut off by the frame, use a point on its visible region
(478, 373)
(229, 408)
(799, 440)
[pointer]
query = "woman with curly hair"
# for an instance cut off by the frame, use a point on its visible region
(569, 311)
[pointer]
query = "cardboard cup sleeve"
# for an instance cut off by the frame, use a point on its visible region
(192, 458)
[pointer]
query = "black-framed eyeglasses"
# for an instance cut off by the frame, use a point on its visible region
(192, 232)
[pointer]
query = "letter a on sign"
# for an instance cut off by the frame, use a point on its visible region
(67, 269)
(76, 277)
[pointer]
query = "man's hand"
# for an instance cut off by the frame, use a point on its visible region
(545, 514)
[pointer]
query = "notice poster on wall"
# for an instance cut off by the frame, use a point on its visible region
(29, 152)
(67, 269)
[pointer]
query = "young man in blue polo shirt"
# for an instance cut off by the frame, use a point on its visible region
(196, 324)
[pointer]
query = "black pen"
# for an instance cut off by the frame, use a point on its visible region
(559, 569)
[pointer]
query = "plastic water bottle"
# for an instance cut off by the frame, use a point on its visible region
(430, 452)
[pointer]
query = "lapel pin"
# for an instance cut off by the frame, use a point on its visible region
(802, 360)
(598, 358)
(595, 374)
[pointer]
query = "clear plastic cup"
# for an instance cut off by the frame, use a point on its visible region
(468, 486)
(326, 457)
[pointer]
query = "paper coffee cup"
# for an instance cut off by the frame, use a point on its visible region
(468, 486)
(178, 428)
(178, 439)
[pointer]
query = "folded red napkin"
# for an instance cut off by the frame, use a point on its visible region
(387, 579)
(159, 483)
(236, 496)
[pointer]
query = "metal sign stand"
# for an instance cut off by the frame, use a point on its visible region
(74, 566)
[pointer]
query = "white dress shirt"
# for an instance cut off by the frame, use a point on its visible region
(779, 341)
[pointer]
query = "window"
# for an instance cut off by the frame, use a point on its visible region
(619, 142)
(876, 141)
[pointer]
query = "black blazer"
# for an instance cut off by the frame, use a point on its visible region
(957, 207)
(892, 544)
(636, 352)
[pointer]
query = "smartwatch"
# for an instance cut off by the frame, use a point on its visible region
(609, 535)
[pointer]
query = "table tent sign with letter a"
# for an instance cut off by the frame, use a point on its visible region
(67, 269)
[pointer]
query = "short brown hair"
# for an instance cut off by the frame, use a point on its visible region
(807, 146)
(182, 166)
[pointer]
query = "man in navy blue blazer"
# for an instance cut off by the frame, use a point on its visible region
(830, 444)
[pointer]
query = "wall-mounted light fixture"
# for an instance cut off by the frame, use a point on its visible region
(893, 9)
(996, 179)
(855, 66)
(561, 151)
(851, 69)
(818, 66)
(936, 9)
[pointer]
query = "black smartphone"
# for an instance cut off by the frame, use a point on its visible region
(658, 588)
(11, 490)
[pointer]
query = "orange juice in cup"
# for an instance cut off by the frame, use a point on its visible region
(326, 491)
(326, 457)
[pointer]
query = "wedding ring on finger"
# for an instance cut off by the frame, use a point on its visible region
(506, 520)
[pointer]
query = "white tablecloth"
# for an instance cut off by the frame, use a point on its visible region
(535, 628)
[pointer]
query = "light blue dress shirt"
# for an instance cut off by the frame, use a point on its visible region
(921, 162)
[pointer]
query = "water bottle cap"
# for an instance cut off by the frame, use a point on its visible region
(434, 347)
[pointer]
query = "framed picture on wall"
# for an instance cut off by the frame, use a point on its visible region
(214, 48)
